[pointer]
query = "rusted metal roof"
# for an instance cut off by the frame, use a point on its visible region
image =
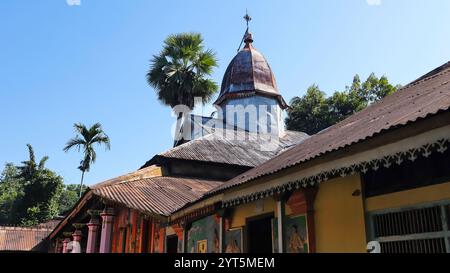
(249, 73)
(158, 195)
(235, 147)
(21, 239)
(418, 100)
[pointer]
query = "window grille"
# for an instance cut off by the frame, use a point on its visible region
(423, 229)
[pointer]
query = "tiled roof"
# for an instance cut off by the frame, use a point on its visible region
(21, 239)
(158, 195)
(418, 100)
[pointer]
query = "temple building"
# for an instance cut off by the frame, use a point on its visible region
(379, 178)
(130, 213)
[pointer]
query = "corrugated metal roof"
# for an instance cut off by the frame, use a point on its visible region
(421, 98)
(235, 147)
(159, 195)
(21, 239)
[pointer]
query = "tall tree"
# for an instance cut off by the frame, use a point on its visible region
(30, 167)
(314, 111)
(179, 73)
(41, 189)
(11, 189)
(86, 140)
(40, 201)
(309, 113)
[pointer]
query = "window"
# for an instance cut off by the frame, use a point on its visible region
(423, 229)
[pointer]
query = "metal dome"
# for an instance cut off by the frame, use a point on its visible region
(249, 74)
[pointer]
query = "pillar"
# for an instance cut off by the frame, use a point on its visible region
(184, 246)
(107, 228)
(65, 243)
(310, 197)
(77, 235)
(93, 232)
(221, 235)
(58, 245)
(280, 218)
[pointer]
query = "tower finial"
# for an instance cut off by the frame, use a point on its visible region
(247, 18)
(247, 39)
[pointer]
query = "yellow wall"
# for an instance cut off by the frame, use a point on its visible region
(409, 197)
(339, 216)
(242, 212)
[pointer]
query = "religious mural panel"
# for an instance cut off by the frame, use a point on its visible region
(202, 246)
(206, 229)
(157, 240)
(233, 241)
(296, 234)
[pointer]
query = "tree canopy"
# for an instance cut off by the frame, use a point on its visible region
(31, 193)
(315, 111)
(179, 73)
(86, 139)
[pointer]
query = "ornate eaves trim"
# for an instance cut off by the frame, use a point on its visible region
(410, 149)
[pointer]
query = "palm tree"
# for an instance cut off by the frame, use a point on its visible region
(179, 72)
(85, 140)
(30, 167)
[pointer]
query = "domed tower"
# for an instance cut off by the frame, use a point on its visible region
(249, 97)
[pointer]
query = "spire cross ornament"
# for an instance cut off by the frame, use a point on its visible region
(247, 18)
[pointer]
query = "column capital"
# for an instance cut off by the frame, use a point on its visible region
(77, 235)
(94, 222)
(107, 212)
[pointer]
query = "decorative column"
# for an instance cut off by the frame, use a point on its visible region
(184, 240)
(77, 235)
(222, 214)
(58, 245)
(221, 235)
(310, 197)
(280, 218)
(179, 231)
(107, 228)
(65, 243)
(93, 232)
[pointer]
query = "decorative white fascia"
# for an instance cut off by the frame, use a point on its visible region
(409, 149)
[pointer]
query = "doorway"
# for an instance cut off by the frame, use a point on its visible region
(259, 234)
(172, 244)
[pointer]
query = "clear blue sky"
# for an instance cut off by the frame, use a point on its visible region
(62, 64)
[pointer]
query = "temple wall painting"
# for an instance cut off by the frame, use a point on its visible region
(296, 234)
(158, 238)
(203, 236)
(234, 240)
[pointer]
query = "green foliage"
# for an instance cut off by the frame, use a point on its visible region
(69, 197)
(85, 140)
(29, 193)
(311, 112)
(179, 72)
(314, 111)
(11, 189)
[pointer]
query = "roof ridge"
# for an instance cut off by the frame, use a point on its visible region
(439, 71)
(138, 174)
